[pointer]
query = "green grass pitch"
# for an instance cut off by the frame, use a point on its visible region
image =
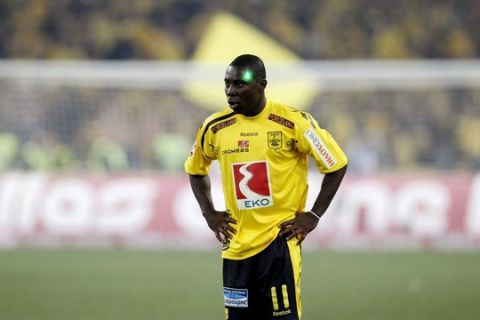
(180, 285)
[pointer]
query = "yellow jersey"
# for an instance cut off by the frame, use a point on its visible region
(264, 165)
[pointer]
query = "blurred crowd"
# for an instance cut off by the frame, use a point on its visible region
(405, 130)
(54, 128)
(170, 29)
(80, 128)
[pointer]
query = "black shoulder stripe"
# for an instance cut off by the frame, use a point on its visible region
(281, 120)
(212, 122)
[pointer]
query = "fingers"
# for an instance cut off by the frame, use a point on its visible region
(226, 228)
(230, 220)
(293, 229)
(293, 233)
(229, 229)
(219, 237)
(223, 236)
(285, 231)
(287, 224)
(221, 224)
(225, 231)
(287, 228)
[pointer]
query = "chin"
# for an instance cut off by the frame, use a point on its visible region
(236, 108)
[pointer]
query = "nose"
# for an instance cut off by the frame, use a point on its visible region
(230, 90)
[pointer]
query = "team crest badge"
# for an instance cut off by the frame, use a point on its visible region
(275, 140)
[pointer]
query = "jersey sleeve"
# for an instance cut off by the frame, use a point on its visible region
(201, 155)
(319, 144)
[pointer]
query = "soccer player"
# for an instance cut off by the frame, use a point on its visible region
(262, 148)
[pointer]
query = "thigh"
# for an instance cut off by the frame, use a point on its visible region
(280, 280)
(265, 286)
(239, 291)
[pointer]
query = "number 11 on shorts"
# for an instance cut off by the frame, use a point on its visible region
(286, 303)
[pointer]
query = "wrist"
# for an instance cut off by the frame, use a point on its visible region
(206, 213)
(316, 215)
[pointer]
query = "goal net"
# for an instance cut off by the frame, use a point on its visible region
(62, 123)
(117, 116)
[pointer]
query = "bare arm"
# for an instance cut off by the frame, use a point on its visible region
(330, 184)
(303, 224)
(218, 221)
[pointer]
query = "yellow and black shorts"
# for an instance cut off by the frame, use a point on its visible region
(265, 286)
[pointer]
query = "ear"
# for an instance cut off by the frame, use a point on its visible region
(263, 83)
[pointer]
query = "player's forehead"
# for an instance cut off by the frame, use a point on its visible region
(238, 73)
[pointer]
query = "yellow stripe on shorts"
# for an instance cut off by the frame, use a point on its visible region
(274, 298)
(286, 303)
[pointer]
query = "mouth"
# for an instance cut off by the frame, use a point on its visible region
(233, 103)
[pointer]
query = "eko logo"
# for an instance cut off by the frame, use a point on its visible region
(252, 185)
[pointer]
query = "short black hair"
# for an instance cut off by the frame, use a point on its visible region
(253, 62)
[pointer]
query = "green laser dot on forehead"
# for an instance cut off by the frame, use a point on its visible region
(247, 75)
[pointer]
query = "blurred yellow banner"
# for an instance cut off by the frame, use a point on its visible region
(227, 37)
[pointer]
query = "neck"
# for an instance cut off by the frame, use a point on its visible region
(258, 109)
